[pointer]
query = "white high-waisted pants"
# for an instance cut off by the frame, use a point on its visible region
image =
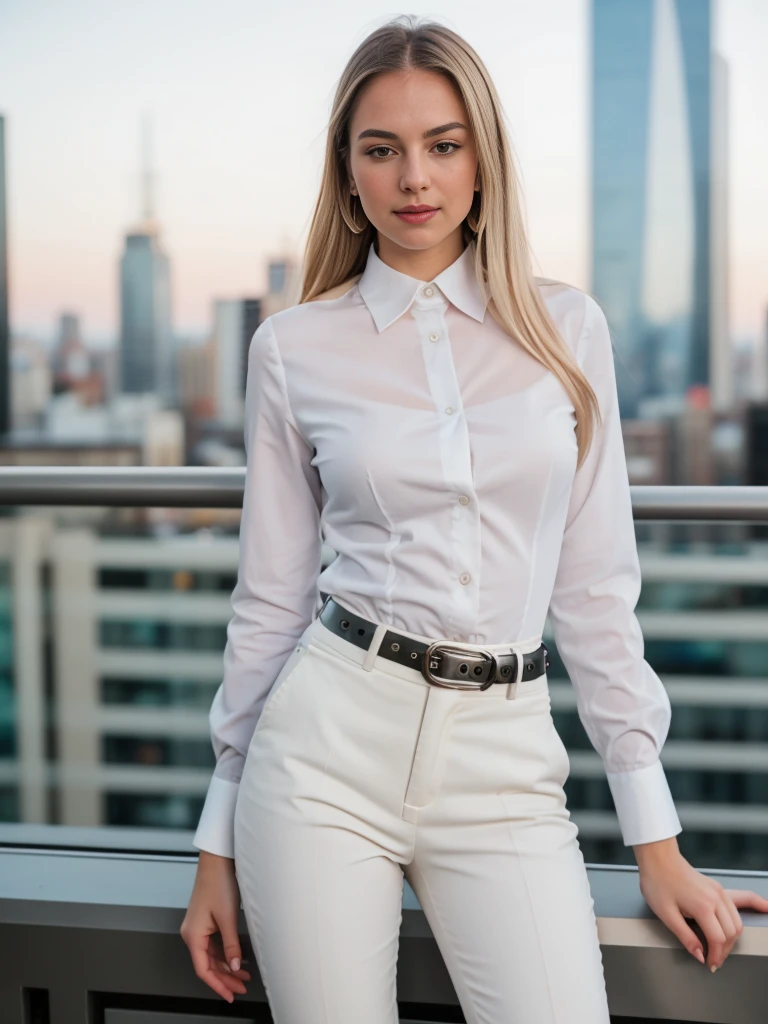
(360, 772)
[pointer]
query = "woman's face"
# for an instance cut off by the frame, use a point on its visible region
(393, 165)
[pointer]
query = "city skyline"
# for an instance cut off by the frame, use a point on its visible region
(73, 152)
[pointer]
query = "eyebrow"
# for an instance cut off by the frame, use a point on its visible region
(379, 133)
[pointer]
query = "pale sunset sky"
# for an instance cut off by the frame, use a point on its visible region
(239, 94)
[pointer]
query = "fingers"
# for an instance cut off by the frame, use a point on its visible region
(738, 924)
(230, 941)
(715, 936)
(724, 912)
(217, 956)
(204, 967)
(749, 899)
(677, 924)
(233, 980)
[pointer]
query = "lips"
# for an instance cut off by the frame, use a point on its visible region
(417, 215)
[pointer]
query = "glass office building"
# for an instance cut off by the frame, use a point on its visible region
(652, 192)
(146, 341)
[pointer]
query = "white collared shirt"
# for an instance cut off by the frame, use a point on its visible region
(402, 425)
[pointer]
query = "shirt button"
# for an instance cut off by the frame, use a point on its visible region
(464, 499)
(465, 577)
(429, 291)
(449, 409)
(434, 337)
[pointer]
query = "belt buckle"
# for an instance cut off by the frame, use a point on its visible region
(431, 662)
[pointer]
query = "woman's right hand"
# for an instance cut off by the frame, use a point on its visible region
(214, 907)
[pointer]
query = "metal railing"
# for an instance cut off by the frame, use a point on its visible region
(118, 949)
(212, 487)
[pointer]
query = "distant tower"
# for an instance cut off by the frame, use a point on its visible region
(70, 360)
(5, 343)
(234, 324)
(147, 360)
(657, 199)
(720, 353)
(278, 275)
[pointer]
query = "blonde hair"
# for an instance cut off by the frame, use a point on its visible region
(336, 251)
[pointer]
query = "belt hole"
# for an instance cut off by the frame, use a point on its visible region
(395, 647)
(344, 623)
(414, 654)
(530, 666)
(361, 632)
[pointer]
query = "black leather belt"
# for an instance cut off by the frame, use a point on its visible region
(462, 668)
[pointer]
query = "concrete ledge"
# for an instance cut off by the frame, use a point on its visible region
(98, 929)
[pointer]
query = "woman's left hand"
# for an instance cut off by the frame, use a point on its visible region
(674, 890)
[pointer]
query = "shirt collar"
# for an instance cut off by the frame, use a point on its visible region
(388, 293)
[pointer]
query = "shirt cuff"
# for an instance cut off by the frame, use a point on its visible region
(216, 827)
(644, 804)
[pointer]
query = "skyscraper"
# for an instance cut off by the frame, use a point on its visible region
(147, 358)
(5, 341)
(652, 193)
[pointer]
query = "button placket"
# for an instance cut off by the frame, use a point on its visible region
(455, 452)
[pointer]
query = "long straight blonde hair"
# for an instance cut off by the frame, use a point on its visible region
(336, 251)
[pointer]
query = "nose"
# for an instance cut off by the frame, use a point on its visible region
(414, 177)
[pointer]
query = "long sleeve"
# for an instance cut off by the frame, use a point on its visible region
(274, 597)
(621, 702)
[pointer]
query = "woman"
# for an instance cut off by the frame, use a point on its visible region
(427, 408)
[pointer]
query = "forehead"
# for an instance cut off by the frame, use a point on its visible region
(413, 100)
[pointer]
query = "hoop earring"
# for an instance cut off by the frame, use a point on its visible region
(354, 227)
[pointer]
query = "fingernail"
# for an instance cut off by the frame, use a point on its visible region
(713, 968)
(699, 956)
(234, 964)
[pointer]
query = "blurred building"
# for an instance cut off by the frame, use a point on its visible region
(69, 360)
(147, 357)
(722, 371)
(104, 362)
(658, 198)
(139, 420)
(22, 449)
(759, 366)
(647, 445)
(196, 391)
(234, 324)
(695, 454)
(30, 383)
(146, 342)
(5, 336)
(72, 366)
(283, 285)
(756, 428)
